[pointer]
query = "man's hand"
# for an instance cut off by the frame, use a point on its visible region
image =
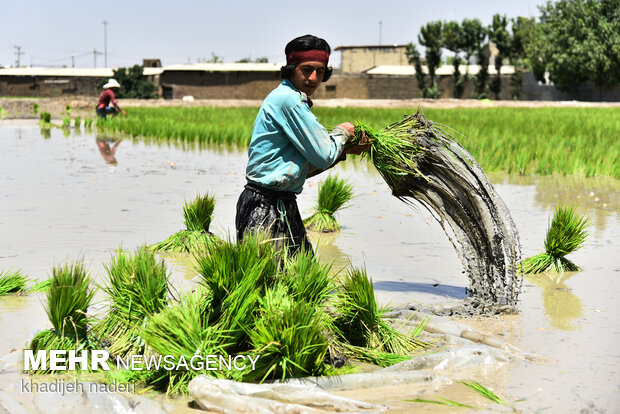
(124, 113)
(349, 127)
(362, 146)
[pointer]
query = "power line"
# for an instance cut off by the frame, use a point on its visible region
(105, 41)
(18, 52)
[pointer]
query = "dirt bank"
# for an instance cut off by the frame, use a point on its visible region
(22, 108)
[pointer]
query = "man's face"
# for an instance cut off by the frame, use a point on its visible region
(308, 76)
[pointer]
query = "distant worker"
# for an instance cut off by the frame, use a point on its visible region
(107, 96)
(289, 145)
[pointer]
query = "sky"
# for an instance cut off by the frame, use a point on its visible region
(181, 31)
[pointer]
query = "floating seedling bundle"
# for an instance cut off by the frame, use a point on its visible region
(421, 162)
(198, 215)
(566, 234)
(333, 194)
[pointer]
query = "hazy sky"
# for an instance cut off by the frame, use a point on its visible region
(181, 31)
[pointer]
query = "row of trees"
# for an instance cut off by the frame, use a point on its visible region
(575, 41)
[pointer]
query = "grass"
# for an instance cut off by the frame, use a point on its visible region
(543, 141)
(198, 215)
(566, 234)
(332, 195)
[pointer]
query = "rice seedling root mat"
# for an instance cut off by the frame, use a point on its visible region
(423, 163)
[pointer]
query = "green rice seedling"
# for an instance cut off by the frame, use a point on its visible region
(373, 356)
(308, 280)
(12, 281)
(223, 267)
(88, 123)
(137, 288)
(485, 392)
(333, 194)
(77, 122)
(566, 234)
(180, 330)
(3, 112)
(40, 286)
(359, 323)
(68, 298)
(35, 108)
(392, 151)
(442, 401)
(46, 118)
(198, 215)
(288, 336)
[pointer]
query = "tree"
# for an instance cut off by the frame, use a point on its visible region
(134, 84)
(523, 35)
(474, 40)
(498, 33)
(580, 42)
(257, 60)
(430, 38)
(213, 59)
(452, 39)
(413, 56)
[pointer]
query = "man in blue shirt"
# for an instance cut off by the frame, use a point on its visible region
(289, 145)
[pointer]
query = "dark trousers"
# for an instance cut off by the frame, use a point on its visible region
(273, 212)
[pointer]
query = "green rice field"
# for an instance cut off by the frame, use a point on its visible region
(542, 141)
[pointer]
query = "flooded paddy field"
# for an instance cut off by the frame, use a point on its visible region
(69, 198)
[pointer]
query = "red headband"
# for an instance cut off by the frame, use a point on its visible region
(300, 56)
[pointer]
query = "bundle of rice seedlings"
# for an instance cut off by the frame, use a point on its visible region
(359, 323)
(137, 288)
(68, 299)
(12, 281)
(308, 280)
(222, 267)
(180, 330)
(333, 194)
(289, 337)
(566, 234)
(422, 163)
(198, 215)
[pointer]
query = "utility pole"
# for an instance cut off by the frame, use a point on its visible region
(105, 41)
(72, 59)
(18, 52)
(380, 27)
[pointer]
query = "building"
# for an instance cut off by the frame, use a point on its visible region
(357, 59)
(219, 80)
(52, 82)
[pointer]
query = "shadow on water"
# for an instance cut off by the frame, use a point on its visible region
(451, 291)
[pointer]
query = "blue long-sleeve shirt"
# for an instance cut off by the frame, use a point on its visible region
(287, 139)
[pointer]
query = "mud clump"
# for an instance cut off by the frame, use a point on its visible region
(450, 184)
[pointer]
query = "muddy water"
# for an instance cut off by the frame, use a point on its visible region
(66, 198)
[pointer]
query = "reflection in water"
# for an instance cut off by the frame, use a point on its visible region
(107, 152)
(46, 133)
(326, 250)
(561, 305)
(594, 197)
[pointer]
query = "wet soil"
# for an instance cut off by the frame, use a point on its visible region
(61, 199)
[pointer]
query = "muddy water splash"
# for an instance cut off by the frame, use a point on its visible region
(452, 186)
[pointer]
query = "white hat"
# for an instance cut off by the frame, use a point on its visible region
(112, 83)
